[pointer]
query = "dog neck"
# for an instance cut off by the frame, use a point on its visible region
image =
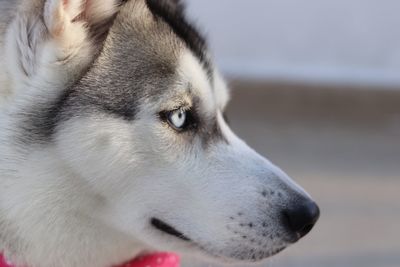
(48, 219)
(156, 260)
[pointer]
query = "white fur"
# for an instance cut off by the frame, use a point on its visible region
(86, 199)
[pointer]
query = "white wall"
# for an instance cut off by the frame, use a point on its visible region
(342, 41)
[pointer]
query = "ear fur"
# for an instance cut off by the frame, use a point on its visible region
(56, 39)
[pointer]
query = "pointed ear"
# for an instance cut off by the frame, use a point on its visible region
(58, 38)
(94, 16)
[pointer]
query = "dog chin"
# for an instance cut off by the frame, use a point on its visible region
(236, 257)
(229, 257)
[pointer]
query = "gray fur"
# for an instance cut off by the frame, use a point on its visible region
(137, 63)
(93, 148)
(7, 11)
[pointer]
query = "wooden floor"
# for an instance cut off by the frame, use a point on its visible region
(343, 146)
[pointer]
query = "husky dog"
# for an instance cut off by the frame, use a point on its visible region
(113, 142)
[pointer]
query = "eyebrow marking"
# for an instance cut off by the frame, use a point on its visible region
(174, 17)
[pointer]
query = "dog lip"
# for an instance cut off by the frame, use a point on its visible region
(168, 229)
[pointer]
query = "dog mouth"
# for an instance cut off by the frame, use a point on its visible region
(168, 229)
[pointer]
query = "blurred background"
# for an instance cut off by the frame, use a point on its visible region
(316, 89)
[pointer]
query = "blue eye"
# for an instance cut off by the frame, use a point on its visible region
(177, 119)
(180, 119)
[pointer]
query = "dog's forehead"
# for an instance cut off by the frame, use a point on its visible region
(143, 58)
(172, 13)
(165, 18)
(141, 62)
(148, 37)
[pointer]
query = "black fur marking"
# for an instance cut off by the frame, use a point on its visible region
(172, 13)
(40, 121)
(208, 132)
(140, 75)
(113, 101)
(166, 228)
(208, 129)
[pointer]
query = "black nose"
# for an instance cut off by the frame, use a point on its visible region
(302, 217)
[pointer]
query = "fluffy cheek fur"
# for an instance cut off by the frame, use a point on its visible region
(106, 151)
(143, 170)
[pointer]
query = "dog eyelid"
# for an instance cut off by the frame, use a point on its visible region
(170, 116)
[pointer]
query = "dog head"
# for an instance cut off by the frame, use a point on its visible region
(132, 105)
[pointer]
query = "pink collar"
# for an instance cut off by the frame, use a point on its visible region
(152, 260)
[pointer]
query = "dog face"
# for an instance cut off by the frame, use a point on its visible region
(143, 128)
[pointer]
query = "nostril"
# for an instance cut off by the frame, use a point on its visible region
(302, 218)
